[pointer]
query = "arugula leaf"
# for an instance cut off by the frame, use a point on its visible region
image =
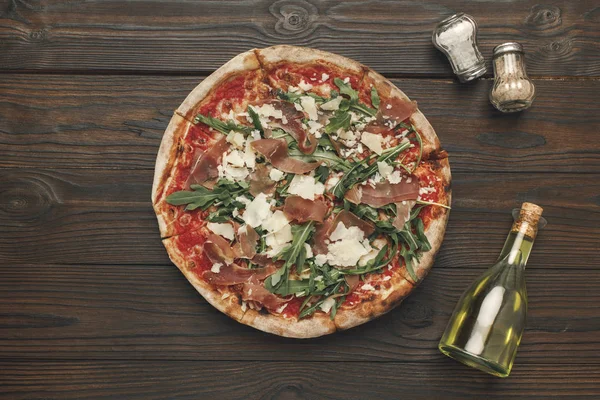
(431, 203)
(353, 103)
(339, 120)
(223, 127)
(293, 287)
(375, 97)
(322, 173)
(256, 120)
(346, 89)
(362, 170)
(292, 254)
(224, 193)
(334, 162)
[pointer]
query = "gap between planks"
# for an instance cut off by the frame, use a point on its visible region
(204, 73)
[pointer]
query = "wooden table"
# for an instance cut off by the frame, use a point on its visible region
(91, 307)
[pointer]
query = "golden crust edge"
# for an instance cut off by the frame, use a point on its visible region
(280, 53)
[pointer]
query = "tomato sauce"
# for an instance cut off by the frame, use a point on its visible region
(234, 89)
(293, 307)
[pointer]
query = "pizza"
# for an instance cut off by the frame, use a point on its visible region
(301, 192)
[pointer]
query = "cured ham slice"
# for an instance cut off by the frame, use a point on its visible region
(246, 242)
(307, 142)
(351, 281)
(383, 193)
(233, 274)
(275, 150)
(260, 182)
(205, 163)
(302, 210)
(256, 292)
(348, 219)
(403, 209)
(400, 110)
(218, 250)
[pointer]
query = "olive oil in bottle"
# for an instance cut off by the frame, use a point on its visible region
(486, 326)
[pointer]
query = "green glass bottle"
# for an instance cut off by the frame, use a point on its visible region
(487, 324)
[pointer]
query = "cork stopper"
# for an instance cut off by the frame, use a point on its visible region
(527, 220)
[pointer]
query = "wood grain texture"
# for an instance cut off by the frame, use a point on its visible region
(142, 312)
(105, 217)
(560, 37)
(289, 381)
(112, 122)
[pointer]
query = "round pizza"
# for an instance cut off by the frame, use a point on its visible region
(301, 192)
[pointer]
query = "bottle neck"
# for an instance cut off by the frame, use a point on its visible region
(517, 248)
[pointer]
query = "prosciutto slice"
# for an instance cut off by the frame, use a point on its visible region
(260, 182)
(246, 242)
(204, 165)
(348, 219)
(256, 292)
(384, 193)
(233, 274)
(400, 110)
(275, 150)
(307, 142)
(218, 249)
(302, 210)
(403, 209)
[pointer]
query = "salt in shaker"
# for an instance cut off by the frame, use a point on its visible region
(513, 90)
(456, 37)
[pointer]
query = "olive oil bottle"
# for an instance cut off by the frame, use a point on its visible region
(486, 326)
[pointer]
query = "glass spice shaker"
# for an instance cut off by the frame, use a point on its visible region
(456, 37)
(513, 90)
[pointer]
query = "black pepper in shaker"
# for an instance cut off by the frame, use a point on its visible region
(513, 90)
(456, 37)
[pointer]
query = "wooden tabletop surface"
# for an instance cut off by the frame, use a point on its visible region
(92, 308)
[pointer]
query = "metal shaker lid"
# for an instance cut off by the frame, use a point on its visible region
(508, 47)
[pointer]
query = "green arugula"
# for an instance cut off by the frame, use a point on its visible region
(362, 170)
(292, 254)
(375, 97)
(336, 163)
(223, 193)
(354, 104)
(256, 120)
(411, 129)
(223, 127)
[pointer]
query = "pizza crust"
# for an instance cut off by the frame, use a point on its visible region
(304, 55)
(318, 324)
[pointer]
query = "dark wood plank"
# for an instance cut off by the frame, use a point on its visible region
(561, 37)
(287, 380)
(151, 312)
(118, 121)
(105, 217)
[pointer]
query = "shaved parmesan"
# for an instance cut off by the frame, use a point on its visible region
(257, 211)
(276, 175)
(372, 141)
(310, 107)
(306, 187)
(327, 304)
(225, 230)
(332, 105)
